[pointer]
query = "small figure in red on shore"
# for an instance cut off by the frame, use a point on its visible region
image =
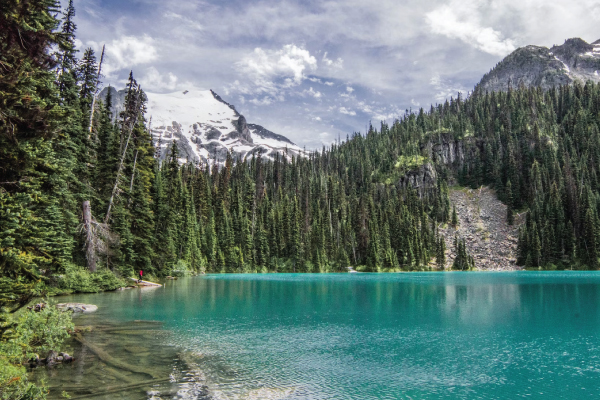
(141, 274)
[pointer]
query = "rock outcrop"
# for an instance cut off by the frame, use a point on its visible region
(267, 134)
(442, 150)
(242, 129)
(422, 179)
(447, 150)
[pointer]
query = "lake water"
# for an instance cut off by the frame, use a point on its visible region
(471, 335)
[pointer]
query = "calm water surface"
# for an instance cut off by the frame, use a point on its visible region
(352, 336)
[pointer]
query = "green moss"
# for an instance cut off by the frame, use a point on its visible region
(407, 163)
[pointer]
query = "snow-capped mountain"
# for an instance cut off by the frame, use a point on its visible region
(205, 127)
(575, 60)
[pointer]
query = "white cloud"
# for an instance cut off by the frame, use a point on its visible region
(349, 89)
(385, 116)
(329, 83)
(271, 71)
(365, 107)
(311, 92)
(154, 81)
(461, 20)
(186, 23)
(445, 89)
(343, 110)
(339, 63)
(265, 101)
(126, 52)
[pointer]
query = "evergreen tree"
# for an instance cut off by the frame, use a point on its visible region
(454, 217)
(463, 261)
(510, 218)
(441, 253)
(32, 181)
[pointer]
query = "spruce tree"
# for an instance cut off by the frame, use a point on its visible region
(510, 218)
(33, 184)
(454, 221)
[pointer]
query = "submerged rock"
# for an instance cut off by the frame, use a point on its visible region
(52, 358)
(65, 357)
(77, 307)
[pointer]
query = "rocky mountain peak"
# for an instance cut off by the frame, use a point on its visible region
(574, 60)
(575, 45)
(205, 127)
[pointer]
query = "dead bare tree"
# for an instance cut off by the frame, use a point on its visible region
(96, 91)
(98, 238)
(129, 121)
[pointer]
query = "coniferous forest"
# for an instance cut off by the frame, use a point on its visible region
(343, 206)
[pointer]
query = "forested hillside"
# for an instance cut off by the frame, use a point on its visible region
(374, 201)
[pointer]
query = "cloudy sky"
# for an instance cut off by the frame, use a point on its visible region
(314, 70)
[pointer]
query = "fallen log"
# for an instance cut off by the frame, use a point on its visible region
(108, 359)
(113, 389)
(145, 283)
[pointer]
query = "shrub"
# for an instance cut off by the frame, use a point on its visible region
(31, 333)
(83, 281)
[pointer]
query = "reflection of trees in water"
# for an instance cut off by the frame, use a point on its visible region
(502, 303)
(481, 304)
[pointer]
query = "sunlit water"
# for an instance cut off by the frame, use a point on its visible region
(346, 336)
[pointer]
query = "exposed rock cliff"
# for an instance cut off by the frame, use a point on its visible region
(422, 179)
(442, 150)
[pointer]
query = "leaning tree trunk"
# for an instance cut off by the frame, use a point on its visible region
(90, 250)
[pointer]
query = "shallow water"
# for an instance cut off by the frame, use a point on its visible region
(343, 336)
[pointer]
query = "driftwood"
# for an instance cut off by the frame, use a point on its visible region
(114, 389)
(145, 283)
(108, 359)
(133, 331)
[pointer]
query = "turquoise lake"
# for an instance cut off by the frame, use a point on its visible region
(457, 335)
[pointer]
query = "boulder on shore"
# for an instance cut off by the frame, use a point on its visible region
(77, 307)
(51, 359)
